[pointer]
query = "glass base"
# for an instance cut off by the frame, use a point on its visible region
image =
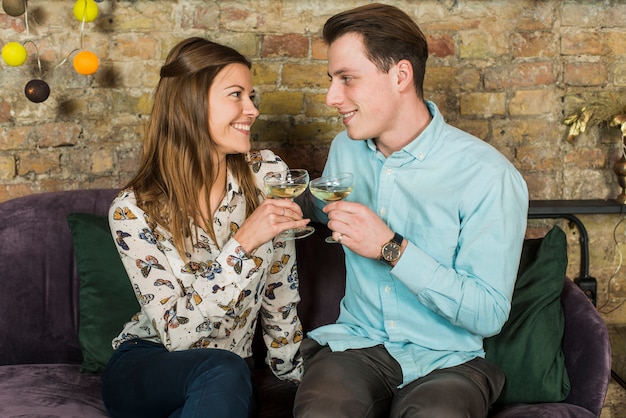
(331, 240)
(297, 233)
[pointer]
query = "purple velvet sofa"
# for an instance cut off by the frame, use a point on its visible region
(40, 355)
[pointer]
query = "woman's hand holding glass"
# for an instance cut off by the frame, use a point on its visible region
(271, 217)
(288, 184)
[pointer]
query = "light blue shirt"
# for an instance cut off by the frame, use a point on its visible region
(462, 206)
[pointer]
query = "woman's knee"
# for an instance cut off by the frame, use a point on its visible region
(225, 369)
(220, 385)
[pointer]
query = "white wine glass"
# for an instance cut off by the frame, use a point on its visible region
(331, 189)
(288, 184)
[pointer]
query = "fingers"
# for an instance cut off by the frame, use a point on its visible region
(338, 229)
(357, 227)
(286, 213)
(271, 218)
(283, 208)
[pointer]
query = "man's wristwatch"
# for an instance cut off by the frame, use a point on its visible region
(391, 251)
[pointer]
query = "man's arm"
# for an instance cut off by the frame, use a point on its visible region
(474, 291)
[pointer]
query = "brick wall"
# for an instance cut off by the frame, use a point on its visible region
(507, 71)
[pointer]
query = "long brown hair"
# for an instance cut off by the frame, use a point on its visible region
(177, 159)
(388, 34)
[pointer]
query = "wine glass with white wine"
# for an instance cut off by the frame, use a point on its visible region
(288, 184)
(331, 189)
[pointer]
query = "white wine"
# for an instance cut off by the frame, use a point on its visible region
(286, 190)
(332, 188)
(288, 184)
(331, 193)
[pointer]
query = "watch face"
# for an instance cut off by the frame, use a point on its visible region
(391, 251)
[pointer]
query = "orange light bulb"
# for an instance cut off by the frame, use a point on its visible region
(86, 63)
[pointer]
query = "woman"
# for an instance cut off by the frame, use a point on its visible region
(197, 241)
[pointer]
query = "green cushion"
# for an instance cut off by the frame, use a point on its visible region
(529, 346)
(107, 300)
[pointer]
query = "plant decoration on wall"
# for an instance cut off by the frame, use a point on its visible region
(610, 111)
(15, 54)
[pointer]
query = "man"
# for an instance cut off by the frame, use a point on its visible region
(433, 232)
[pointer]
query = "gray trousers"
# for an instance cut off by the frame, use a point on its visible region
(364, 383)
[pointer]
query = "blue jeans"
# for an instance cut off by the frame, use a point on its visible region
(143, 379)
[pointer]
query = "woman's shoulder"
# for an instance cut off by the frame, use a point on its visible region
(265, 160)
(264, 155)
(126, 203)
(126, 196)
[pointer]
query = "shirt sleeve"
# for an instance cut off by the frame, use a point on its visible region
(282, 330)
(475, 291)
(281, 327)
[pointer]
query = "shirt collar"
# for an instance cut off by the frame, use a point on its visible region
(421, 145)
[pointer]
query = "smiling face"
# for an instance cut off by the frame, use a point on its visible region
(232, 110)
(366, 98)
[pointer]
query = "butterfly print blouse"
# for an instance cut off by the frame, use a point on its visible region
(214, 299)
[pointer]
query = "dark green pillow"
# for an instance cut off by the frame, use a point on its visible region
(528, 349)
(107, 300)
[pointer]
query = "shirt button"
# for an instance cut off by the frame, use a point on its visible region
(392, 324)
(421, 156)
(387, 289)
(389, 171)
(383, 211)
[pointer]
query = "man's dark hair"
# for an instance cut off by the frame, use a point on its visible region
(389, 35)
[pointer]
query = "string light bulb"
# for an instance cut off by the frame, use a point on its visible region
(37, 90)
(14, 54)
(85, 10)
(14, 7)
(86, 63)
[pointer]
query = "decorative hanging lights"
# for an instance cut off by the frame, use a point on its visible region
(15, 54)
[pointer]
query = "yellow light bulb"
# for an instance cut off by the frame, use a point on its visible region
(14, 54)
(87, 9)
